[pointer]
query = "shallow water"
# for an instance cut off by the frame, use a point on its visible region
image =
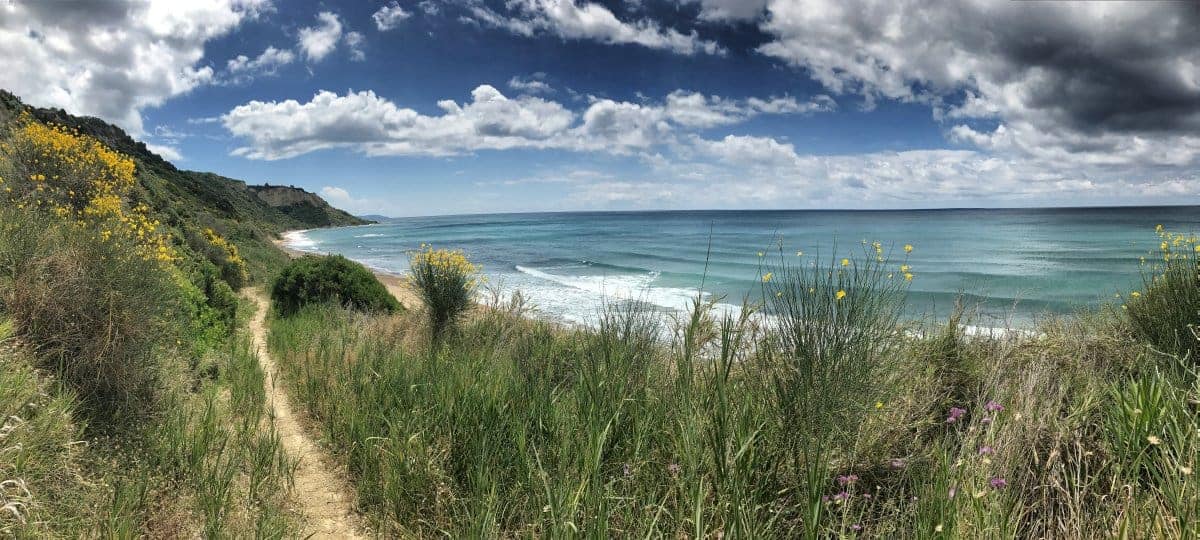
(1014, 264)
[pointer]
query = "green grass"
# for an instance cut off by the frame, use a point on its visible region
(827, 422)
(210, 464)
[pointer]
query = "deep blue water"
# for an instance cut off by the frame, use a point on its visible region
(1014, 264)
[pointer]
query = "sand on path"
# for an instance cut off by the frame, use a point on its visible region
(323, 495)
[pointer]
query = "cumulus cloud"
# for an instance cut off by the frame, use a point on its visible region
(1086, 81)
(429, 7)
(318, 41)
(112, 59)
(390, 16)
(339, 197)
(533, 84)
(376, 126)
(355, 41)
(373, 125)
(168, 153)
(242, 69)
(729, 10)
(589, 21)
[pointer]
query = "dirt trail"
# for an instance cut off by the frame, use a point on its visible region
(321, 494)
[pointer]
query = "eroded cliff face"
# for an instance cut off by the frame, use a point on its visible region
(286, 196)
(303, 205)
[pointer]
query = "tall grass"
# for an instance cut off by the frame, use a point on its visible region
(821, 417)
(1166, 312)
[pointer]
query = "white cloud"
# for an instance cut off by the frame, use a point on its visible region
(168, 153)
(429, 7)
(590, 21)
(355, 41)
(533, 84)
(112, 59)
(376, 126)
(390, 16)
(730, 10)
(341, 199)
(368, 123)
(318, 41)
(242, 69)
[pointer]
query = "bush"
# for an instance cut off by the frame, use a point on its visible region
(95, 310)
(446, 281)
(1167, 313)
(332, 278)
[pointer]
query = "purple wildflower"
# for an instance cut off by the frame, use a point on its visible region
(998, 483)
(986, 451)
(856, 527)
(992, 406)
(841, 496)
(985, 420)
(843, 480)
(955, 414)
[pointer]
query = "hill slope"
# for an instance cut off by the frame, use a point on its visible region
(249, 216)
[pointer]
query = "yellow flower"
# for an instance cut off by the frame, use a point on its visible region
(767, 277)
(1153, 440)
(840, 294)
(878, 405)
(908, 248)
(801, 253)
(908, 276)
(760, 254)
(845, 262)
(1135, 294)
(904, 268)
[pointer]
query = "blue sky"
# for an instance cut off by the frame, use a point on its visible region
(466, 106)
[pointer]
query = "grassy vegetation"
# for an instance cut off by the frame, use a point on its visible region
(131, 403)
(827, 419)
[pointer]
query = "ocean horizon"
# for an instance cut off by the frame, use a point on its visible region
(1008, 266)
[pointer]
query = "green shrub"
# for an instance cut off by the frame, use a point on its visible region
(95, 311)
(332, 278)
(1167, 313)
(446, 281)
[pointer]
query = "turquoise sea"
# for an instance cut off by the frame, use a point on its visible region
(1013, 264)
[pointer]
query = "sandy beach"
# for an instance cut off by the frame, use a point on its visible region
(395, 284)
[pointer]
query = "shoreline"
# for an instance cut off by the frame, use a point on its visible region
(399, 288)
(395, 284)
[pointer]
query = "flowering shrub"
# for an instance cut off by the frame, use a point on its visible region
(76, 177)
(446, 281)
(1166, 313)
(227, 258)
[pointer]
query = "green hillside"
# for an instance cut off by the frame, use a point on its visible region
(249, 216)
